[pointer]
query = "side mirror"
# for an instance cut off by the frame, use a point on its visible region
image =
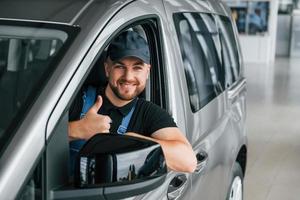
(112, 166)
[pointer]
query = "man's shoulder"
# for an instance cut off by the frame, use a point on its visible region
(146, 104)
(150, 107)
(153, 117)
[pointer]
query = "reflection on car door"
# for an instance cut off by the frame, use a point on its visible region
(208, 123)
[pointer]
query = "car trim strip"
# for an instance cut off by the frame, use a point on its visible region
(81, 11)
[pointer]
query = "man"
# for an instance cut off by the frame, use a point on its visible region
(255, 22)
(127, 69)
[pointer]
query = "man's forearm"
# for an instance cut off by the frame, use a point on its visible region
(179, 155)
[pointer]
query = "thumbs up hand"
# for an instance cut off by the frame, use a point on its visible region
(93, 122)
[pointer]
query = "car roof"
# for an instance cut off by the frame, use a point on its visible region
(59, 11)
(63, 11)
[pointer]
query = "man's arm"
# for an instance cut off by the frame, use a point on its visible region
(177, 150)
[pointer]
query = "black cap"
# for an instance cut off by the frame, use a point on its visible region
(129, 43)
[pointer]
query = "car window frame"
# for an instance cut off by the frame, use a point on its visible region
(148, 22)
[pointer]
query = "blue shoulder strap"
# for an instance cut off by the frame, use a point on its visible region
(125, 121)
(88, 98)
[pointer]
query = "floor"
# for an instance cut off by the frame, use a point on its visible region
(273, 127)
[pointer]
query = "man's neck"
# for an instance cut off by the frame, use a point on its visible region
(116, 101)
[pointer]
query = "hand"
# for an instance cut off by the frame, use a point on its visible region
(93, 122)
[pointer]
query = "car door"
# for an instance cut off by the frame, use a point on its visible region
(206, 114)
(148, 17)
(160, 90)
(235, 89)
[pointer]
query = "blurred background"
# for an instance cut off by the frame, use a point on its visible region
(269, 33)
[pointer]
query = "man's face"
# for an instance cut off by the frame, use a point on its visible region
(127, 77)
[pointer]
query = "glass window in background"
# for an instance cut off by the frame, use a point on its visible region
(251, 17)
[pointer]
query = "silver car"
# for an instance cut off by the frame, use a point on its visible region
(50, 49)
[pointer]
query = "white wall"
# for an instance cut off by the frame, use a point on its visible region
(261, 48)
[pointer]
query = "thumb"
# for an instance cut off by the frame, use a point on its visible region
(97, 104)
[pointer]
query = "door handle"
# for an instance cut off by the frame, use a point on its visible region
(177, 186)
(201, 161)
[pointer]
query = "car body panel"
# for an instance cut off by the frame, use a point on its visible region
(56, 11)
(218, 129)
(208, 130)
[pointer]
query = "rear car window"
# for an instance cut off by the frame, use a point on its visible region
(230, 56)
(200, 46)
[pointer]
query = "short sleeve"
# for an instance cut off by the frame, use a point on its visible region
(157, 118)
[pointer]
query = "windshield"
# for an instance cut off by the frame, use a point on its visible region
(28, 53)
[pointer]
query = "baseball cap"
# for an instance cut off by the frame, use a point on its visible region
(129, 43)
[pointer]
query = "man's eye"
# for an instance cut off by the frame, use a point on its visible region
(138, 67)
(119, 66)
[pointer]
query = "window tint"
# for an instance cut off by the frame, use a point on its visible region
(28, 53)
(229, 50)
(201, 54)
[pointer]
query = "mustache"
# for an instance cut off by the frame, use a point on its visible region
(134, 82)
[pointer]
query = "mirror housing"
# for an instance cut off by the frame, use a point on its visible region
(112, 166)
(112, 159)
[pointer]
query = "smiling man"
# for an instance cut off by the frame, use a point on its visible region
(117, 108)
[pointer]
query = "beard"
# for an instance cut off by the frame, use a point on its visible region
(126, 96)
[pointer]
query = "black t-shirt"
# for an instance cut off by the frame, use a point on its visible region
(146, 118)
